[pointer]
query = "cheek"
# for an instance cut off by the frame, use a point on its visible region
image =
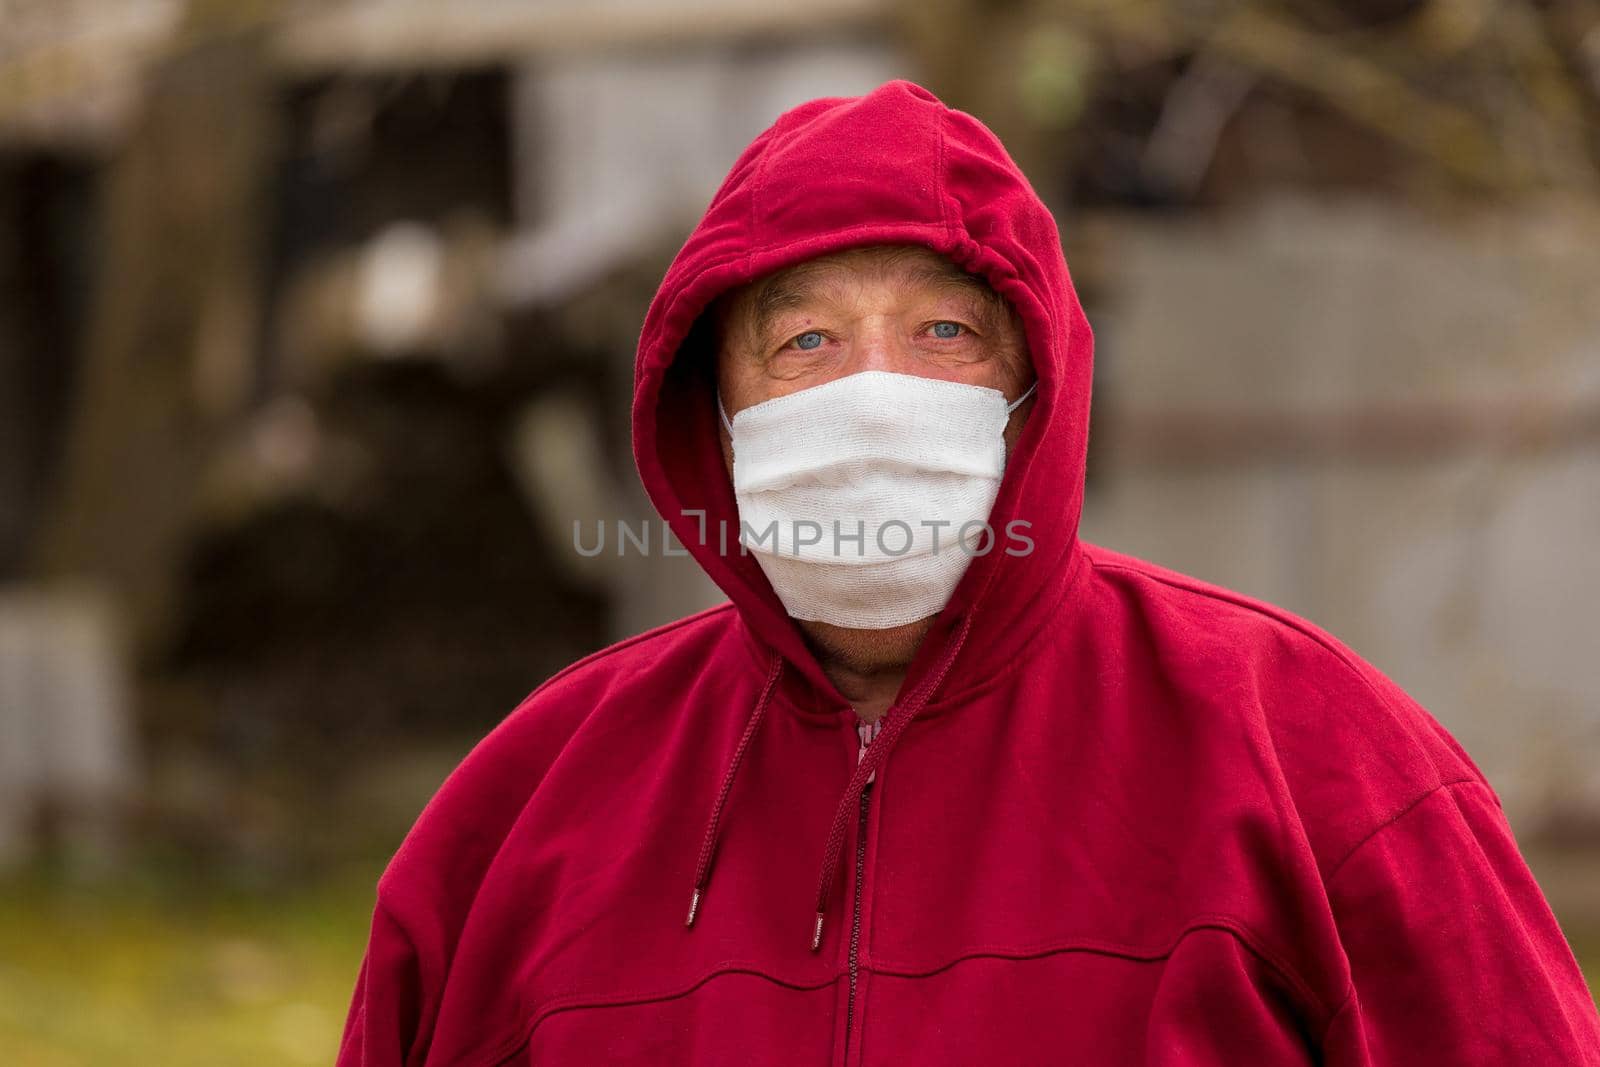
(742, 382)
(1019, 419)
(1019, 365)
(727, 383)
(726, 444)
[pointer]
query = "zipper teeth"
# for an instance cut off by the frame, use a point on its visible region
(855, 918)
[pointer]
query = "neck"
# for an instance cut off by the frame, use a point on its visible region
(870, 693)
(866, 666)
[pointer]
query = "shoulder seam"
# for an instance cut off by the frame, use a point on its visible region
(1406, 809)
(1257, 947)
(1285, 619)
(1345, 1004)
(1266, 611)
(625, 643)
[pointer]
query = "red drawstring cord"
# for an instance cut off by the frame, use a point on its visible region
(894, 724)
(708, 847)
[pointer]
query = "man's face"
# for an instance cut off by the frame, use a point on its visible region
(903, 309)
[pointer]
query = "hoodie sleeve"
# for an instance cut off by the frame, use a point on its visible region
(1454, 954)
(427, 891)
(387, 1009)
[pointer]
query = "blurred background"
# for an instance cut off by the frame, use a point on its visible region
(316, 326)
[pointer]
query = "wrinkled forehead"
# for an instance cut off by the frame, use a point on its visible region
(748, 310)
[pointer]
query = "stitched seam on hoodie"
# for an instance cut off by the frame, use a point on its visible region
(1220, 923)
(1283, 620)
(1345, 1004)
(1406, 809)
(1389, 820)
(1210, 594)
(941, 120)
(627, 643)
(757, 181)
(580, 1001)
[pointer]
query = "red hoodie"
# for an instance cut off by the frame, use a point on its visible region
(1116, 816)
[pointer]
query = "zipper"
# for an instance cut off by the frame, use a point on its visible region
(865, 732)
(855, 917)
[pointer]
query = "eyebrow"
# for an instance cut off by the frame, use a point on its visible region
(798, 286)
(989, 305)
(785, 292)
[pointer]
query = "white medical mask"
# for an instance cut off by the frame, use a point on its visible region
(865, 499)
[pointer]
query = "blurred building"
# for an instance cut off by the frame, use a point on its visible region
(1390, 423)
(317, 320)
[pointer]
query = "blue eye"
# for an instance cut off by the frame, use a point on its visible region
(946, 330)
(808, 340)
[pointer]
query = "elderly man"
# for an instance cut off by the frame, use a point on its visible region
(943, 783)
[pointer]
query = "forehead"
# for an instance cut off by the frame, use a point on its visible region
(834, 276)
(910, 265)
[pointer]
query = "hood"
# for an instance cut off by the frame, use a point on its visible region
(895, 166)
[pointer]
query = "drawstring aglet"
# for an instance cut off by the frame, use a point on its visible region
(694, 907)
(816, 933)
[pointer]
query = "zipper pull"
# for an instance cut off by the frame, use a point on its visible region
(865, 733)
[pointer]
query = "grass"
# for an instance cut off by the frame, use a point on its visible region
(147, 974)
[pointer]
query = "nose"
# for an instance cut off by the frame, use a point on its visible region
(876, 344)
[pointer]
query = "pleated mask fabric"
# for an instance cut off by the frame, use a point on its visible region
(864, 499)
